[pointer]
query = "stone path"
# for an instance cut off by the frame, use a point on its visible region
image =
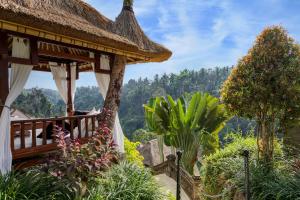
(169, 185)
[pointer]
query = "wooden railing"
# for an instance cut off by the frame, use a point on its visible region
(190, 184)
(24, 133)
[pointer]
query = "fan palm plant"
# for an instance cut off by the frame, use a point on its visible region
(188, 125)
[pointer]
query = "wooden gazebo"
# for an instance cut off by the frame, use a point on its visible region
(73, 35)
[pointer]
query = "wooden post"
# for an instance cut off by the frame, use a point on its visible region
(112, 101)
(4, 85)
(77, 71)
(97, 63)
(34, 51)
(69, 86)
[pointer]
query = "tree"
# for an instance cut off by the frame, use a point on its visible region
(113, 96)
(34, 103)
(262, 86)
(143, 136)
(188, 125)
(87, 98)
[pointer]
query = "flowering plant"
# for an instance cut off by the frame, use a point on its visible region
(81, 163)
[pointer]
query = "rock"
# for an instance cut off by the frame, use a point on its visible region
(150, 152)
(239, 196)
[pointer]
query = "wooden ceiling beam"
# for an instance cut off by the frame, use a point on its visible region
(67, 45)
(41, 68)
(22, 61)
(64, 55)
(58, 43)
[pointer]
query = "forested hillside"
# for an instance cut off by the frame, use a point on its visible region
(45, 102)
(137, 92)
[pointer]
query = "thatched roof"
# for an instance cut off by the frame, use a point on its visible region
(127, 26)
(77, 19)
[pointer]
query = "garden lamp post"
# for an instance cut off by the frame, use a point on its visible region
(179, 154)
(246, 154)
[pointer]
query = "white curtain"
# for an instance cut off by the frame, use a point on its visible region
(60, 77)
(18, 78)
(73, 83)
(103, 84)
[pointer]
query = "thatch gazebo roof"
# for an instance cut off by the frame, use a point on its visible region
(127, 26)
(64, 20)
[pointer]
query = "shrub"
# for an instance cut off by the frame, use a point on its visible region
(223, 170)
(170, 196)
(81, 163)
(277, 184)
(127, 181)
(132, 154)
(34, 185)
(143, 136)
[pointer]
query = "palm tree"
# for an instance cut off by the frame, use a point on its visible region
(188, 125)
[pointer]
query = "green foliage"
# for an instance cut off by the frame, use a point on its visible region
(126, 181)
(280, 184)
(81, 163)
(58, 105)
(143, 136)
(132, 154)
(220, 167)
(34, 185)
(137, 92)
(34, 103)
(264, 86)
(170, 196)
(261, 81)
(187, 125)
(223, 171)
(87, 98)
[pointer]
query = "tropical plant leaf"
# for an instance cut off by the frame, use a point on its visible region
(188, 125)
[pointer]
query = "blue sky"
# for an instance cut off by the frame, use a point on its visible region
(201, 33)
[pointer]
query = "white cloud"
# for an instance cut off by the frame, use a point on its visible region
(142, 7)
(203, 33)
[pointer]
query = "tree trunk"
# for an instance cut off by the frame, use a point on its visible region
(112, 101)
(265, 142)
